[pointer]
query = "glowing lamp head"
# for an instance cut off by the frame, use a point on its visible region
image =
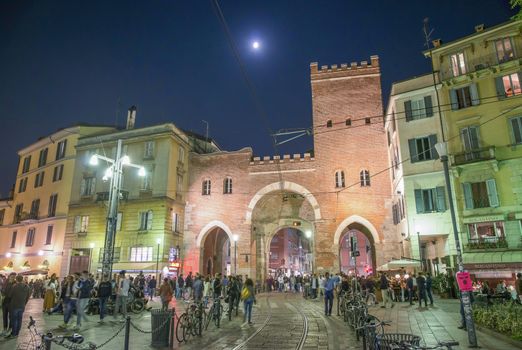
(256, 45)
(91, 245)
(40, 253)
(406, 276)
(158, 241)
(8, 254)
(93, 160)
(108, 173)
(397, 276)
(142, 172)
(308, 233)
(235, 238)
(125, 160)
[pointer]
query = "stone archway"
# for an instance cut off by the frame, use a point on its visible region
(210, 242)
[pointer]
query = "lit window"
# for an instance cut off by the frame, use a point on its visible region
(81, 223)
(508, 85)
(365, 178)
(504, 50)
(138, 254)
(458, 65)
(205, 191)
(339, 179)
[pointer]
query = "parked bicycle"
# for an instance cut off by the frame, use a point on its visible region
(190, 323)
(443, 345)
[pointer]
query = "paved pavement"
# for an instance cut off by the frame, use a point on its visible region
(280, 321)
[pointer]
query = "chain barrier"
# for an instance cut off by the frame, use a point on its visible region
(89, 346)
(152, 330)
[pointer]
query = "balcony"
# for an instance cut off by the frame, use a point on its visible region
(476, 64)
(493, 242)
(474, 155)
(104, 196)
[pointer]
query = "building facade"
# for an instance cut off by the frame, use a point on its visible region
(328, 195)
(481, 97)
(34, 219)
(420, 201)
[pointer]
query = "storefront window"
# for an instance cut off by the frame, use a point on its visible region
(486, 232)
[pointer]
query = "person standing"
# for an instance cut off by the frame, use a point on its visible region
(69, 300)
(165, 293)
(50, 293)
(385, 286)
(84, 289)
(188, 285)
(206, 290)
(104, 293)
(429, 283)
(11, 280)
(421, 287)
(329, 286)
(152, 287)
(180, 288)
(19, 296)
(518, 288)
(249, 298)
(409, 284)
(233, 296)
(122, 294)
(198, 288)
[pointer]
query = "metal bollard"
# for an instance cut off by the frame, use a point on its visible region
(47, 341)
(172, 328)
(127, 333)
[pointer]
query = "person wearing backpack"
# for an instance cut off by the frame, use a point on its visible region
(233, 296)
(84, 293)
(104, 293)
(249, 298)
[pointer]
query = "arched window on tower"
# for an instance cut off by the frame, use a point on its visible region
(205, 190)
(365, 178)
(339, 179)
(227, 185)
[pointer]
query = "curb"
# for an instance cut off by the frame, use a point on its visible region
(502, 337)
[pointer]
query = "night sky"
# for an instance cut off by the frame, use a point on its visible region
(65, 62)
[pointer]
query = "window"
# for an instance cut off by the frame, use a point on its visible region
(23, 185)
(176, 222)
(508, 85)
(418, 109)
(504, 50)
(88, 186)
(329, 124)
(35, 208)
(13, 239)
(395, 214)
(365, 178)
(181, 155)
(471, 142)
(81, 223)
(2, 214)
(29, 240)
(464, 97)
(145, 220)
(388, 137)
(488, 232)
(49, 237)
(348, 122)
(516, 129)
(146, 181)
(138, 254)
(53, 201)
(18, 213)
(458, 65)
(205, 191)
(423, 148)
(58, 173)
(119, 219)
(339, 179)
(480, 194)
(60, 149)
(27, 164)
(430, 200)
(38, 180)
(227, 185)
(42, 160)
(149, 149)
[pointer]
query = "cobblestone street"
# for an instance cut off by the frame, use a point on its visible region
(280, 321)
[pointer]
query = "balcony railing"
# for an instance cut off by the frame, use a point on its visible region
(474, 155)
(104, 196)
(487, 243)
(476, 64)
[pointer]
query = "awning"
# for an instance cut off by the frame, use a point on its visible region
(399, 264)
(34, 272)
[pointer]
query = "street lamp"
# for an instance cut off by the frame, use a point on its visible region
(235, 238)
(113, 173)
(157, 259)
(442, 150)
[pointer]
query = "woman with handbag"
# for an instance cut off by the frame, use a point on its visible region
(249, 298)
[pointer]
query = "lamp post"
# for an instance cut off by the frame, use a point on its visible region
(442, 150)
(235, 238)
(114, 173)
(158, 241)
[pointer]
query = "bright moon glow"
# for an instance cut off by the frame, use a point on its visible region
(255, 45)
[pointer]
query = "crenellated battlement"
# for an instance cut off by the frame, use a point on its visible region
(287, 158)
(345, 69)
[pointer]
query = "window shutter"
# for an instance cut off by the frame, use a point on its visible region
(475, 100)
(141, 220)
(516, 128)
(419, 203)
(77, 223)
(413, 150)
(83, 187)
(93, 186)
(64, 147)
(433, 151)
(407, 109)
(454, 99)
(492, 193)
(428, 105)
(500, 88)
(468, 196)
(441, 198)
(149, 220)
(474, 137)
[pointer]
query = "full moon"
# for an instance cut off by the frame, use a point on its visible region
(255, 45)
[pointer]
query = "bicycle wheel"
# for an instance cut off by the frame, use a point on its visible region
(219, 313)
(180, 328)
(208, 317)
(137, 306)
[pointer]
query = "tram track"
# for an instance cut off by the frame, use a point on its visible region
(253, 335)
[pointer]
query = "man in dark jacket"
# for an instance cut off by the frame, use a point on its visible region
(19, 295)
(104, 293)
(233, 296)
(5, 305)
(152, 287)
(429, 283)
(188, 285)
(421, 285)
(409, 284)
(384, 286)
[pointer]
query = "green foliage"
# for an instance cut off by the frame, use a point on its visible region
(515, 4)
(441, 282)
(506, 319)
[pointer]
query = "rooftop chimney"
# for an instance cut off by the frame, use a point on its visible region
(436, 43)
(479, 28)
(131, 117)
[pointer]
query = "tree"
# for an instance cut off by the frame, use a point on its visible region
(516, 4)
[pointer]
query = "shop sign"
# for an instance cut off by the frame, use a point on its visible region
(464, 281)
(174, 266)
(173, 254)
(486, 218)
(494, 266)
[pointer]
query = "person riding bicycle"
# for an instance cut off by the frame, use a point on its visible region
(233, 296)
